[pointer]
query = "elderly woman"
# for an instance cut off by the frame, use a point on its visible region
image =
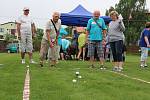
(116, 37)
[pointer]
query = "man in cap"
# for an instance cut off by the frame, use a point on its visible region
(26, 30)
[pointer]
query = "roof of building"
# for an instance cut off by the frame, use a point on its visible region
(8, 23)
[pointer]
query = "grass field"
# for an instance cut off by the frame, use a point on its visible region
(56, 83)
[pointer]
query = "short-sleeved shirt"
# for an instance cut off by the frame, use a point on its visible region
(144, 33)
(25, 22)
(50, 26)
(95, 32)
(62, 32)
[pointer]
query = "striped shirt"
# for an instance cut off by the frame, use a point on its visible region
(115, 31)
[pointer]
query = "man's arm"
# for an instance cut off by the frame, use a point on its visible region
(48, 37)
(33, 29)
(122, 27)
(147, 42)
(88, 30)
(18, 30)
(104, 37)
(104, 34)
(87, 34)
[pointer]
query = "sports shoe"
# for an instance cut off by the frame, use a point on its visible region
(52, 65)
(102, 67)
(115, 68)
(41, 63)
(23, 61)
(145, 65)
(92, 66)
(141, 66)
(32, 62)
(119, 69)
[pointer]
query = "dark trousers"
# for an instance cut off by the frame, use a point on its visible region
(117, 48)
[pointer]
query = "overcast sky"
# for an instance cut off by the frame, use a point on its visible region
(41, 10)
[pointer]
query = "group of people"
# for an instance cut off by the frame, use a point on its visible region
(97, 31)
(95, 37)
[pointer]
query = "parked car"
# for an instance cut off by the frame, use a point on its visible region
(12, 48)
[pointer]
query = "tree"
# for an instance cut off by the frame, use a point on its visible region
(9, 38)
(37, 39)
(108, 11)
(134, 14)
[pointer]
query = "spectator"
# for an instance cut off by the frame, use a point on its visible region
(50, 39)
(81, 45)
(116, 36)
(145, 44)
(26, 30)
(96, 30)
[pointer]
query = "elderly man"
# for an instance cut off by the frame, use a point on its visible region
(50, 39)
(96, 33)
(26, 30)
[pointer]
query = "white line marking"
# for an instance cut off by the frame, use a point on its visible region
(133, 78)
(26, 91)
(121, 74)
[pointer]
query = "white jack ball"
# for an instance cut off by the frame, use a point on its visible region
(79, 76)
(74, 81)
(27, 66)
(77, 73)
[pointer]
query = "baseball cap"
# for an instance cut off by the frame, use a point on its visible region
(25, 8)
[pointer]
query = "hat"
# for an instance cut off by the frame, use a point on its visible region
(25, 8)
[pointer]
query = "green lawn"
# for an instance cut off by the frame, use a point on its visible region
(56, 83)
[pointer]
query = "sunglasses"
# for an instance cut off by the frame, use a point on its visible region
(26, 10)
(56, 16)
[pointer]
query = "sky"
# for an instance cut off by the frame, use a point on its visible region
(41, 10)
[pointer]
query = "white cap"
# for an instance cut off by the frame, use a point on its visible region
(25, 8)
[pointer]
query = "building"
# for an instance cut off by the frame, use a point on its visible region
(7, 28)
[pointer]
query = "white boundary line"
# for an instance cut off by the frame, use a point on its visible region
(26, 91)
(133, 78)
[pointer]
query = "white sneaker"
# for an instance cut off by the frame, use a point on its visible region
(115, 68)
(33, 62)
(142, 66)
(145, 65)
(23, 61)
(121, 68)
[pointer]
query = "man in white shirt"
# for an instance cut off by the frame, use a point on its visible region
(26, 30)
(50, 39)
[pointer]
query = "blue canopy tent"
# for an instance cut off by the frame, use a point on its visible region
(79, 17)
